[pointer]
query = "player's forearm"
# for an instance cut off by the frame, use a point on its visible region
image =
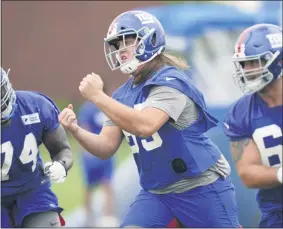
(66, 157)
(259, 176)
(125, 117)
(93, 143)
(58, 146)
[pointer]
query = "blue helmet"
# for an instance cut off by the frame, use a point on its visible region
(8, 97)
(261, 43)
(149, 38)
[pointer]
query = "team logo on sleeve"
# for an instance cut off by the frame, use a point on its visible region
(30, 119)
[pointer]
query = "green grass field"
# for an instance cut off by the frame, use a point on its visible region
(70, 193)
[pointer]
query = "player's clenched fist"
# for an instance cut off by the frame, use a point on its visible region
(90, 86)
(68, 119)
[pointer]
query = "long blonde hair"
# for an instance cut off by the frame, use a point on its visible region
(172, 60)
(158, 62)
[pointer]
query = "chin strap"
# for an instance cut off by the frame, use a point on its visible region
(132, 66)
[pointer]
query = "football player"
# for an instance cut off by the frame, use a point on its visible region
(163, 117)
(96, 171)
(27, 120)
(254, 122)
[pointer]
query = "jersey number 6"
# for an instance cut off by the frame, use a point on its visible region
(269, 143)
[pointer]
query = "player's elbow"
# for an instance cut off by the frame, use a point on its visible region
(149, 124)
(246, 178)
(106, 151)
(105, 156)
(145, 131)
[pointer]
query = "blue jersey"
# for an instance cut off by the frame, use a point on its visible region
(250, 117)
(21, 164)
(170, 155)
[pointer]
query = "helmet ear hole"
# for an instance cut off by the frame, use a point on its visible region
(153, 39)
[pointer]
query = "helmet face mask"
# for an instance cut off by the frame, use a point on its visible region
(4, 96)
(258, 57)
(141, 40)
(253, 79)
(8, 97)
(114, 47)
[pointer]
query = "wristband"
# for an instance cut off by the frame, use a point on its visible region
(64, 165)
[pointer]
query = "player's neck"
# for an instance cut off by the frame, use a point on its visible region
(272, 94)
(146, 71)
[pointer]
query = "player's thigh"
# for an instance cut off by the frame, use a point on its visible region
(42, 219)
(35, 201)
(213, 205)
(147, 211)
(6, 218)
(272, 220)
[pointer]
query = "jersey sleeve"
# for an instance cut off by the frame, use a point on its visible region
(167, 99)
(49, 113)
(236, 124)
